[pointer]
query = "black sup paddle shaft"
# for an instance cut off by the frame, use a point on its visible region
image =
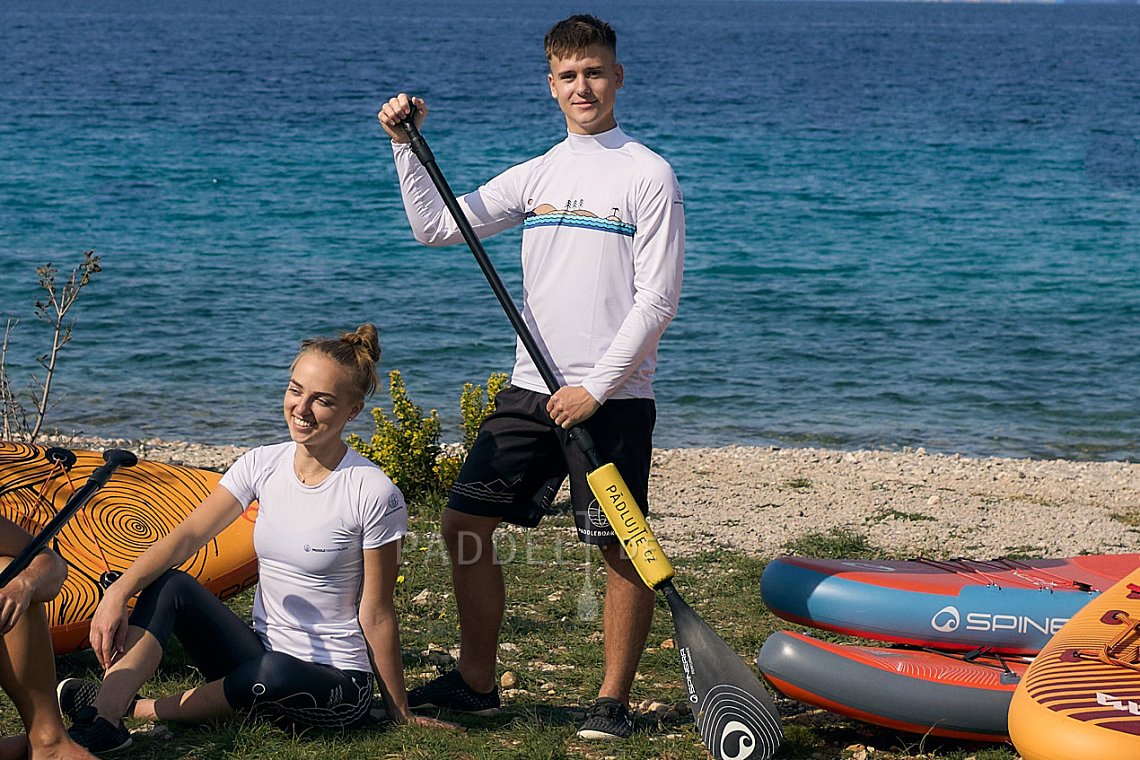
(113, 459)
(427, 158)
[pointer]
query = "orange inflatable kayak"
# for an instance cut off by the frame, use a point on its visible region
(136, 507)
(1081, 696)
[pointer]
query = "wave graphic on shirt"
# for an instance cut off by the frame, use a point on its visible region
(545, 215)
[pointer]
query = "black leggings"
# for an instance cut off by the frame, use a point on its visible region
(276, 685)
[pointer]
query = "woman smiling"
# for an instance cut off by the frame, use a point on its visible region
(324, 624)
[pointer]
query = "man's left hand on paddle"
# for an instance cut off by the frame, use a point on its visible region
(571, 406)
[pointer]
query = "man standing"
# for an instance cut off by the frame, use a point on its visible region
(602, 256)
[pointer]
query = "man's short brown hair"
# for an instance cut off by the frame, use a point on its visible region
(575, 34)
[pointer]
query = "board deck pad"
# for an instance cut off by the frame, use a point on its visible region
(1011, 606)
(139, 505)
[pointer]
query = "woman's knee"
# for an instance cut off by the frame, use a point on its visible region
(160, 605)
(171, 583)
(271, 676)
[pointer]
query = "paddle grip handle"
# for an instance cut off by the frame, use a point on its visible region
(417, 143)
(113, 459)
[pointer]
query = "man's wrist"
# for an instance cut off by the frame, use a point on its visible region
(596, 393)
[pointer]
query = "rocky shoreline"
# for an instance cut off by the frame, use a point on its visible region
(910, 502)
(758, 499)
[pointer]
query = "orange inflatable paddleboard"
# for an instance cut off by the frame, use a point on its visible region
(139, 505)
(1081, 696)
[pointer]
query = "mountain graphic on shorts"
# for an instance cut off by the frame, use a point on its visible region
(496, 490)
(545, 215)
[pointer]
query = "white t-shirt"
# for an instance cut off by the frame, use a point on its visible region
(602, 254)
(309, 542)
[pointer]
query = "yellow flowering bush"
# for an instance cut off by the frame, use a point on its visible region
(475, 404)
(406, 443)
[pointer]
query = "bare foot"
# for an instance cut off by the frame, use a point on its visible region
(60, 749)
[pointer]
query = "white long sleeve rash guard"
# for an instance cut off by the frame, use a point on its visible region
(602, 254)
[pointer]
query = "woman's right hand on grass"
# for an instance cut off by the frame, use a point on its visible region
(423, 720)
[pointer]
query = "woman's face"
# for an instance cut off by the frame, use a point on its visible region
(319, 400)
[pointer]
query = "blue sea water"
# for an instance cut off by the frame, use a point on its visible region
(908, 224)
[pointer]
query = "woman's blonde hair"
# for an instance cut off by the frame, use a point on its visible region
(357, 351)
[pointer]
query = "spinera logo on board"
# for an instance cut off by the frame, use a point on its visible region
(946, 620)
(949, 619)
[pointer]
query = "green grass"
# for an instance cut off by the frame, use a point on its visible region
(550, 643)
(1131, 518)
(836, 543)
(893, 514)
(1023, 551)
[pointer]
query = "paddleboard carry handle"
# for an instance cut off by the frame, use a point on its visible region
(113, 459)
(60, 457)
(109, 577)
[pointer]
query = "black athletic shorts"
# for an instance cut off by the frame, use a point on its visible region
(520, 458)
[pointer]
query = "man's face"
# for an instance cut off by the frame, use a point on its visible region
(585, 85)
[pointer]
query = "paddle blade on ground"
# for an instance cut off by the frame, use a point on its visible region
(735, 714)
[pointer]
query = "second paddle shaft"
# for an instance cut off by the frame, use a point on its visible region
(113, 458)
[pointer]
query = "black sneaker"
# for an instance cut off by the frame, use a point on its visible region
(98, 735)
(605, 720)
(74, 694)
(451, 692)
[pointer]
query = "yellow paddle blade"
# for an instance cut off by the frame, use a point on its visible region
(629, 524)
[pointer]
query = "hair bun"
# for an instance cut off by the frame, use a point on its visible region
(366, 338)
(357, 351)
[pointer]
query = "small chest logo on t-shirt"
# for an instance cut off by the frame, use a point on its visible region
(321, 550)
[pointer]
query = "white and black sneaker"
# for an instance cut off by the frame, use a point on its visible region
(451, 692)
(74, 694)
(607, 719)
